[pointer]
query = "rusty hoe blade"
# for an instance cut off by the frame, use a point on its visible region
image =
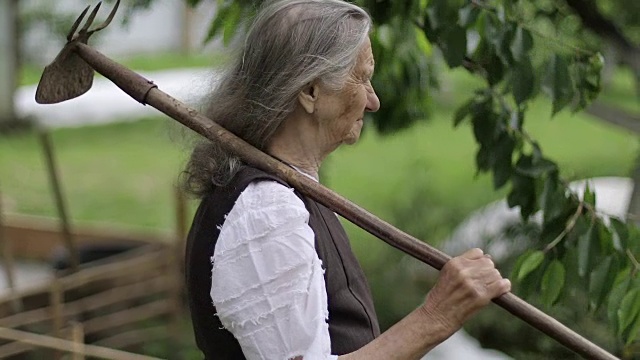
(68, 76)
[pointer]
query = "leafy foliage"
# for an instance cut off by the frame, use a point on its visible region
(506, 44)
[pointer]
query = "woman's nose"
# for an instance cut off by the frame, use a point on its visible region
(373, 103)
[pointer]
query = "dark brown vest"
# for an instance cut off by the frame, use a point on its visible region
(352, 319)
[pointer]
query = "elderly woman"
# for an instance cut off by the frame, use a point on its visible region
(270, 272)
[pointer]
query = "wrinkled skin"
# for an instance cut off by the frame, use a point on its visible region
(466, 284)
(340, 114)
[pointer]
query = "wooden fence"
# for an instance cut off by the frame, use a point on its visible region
(106, 307)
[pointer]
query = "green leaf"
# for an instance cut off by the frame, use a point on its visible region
(423, 43)
(498, 35)
(629, 309)
(518, 264)
(601, 281)
(596, 61)
(485, 56)
(537, 169)
(553, 200)
(468, 15)
(217, 23)
(502, 163)
(552, 282)
(495, 70)
(231, 22)
(557, 83)
(570, 262)
(454, 45)
(441, 14)
(522, 81)
(620, 288)
(633, 243)
(634, 332)
(587, 73)
(521, 44)
(532, 262)
(423, 4)
(606, 245)
(484, 158)
(523, 192)
(620, 235)
(462, 112)
(531, 285)
(589, 196)
(486, 128)
(586, 248)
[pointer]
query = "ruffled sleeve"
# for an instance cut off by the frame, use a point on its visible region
(267, 281)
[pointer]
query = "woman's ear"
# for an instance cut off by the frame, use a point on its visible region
(308, 97)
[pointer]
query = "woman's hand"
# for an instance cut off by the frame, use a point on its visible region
(466, 284)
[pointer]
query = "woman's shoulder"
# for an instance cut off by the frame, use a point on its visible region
(266, 193)
(264, 207)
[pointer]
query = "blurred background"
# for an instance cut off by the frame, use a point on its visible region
(98, 174)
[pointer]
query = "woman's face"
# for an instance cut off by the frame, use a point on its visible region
(340, 113)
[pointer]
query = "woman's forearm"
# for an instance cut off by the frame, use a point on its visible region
(411, 338)
(466, 284)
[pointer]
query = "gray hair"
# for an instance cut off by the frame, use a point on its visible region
(290, 44)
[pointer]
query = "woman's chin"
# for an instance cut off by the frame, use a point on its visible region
(351, 141)
(352, 138)
(353, 135)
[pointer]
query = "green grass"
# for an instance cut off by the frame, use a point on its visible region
(121, 173)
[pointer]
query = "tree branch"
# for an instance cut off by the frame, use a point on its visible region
(593, 19)
(616, 116)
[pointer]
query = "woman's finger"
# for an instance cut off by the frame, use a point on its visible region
(473, 254)
(499, 287)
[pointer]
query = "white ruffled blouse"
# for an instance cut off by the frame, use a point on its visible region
(267, 282)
